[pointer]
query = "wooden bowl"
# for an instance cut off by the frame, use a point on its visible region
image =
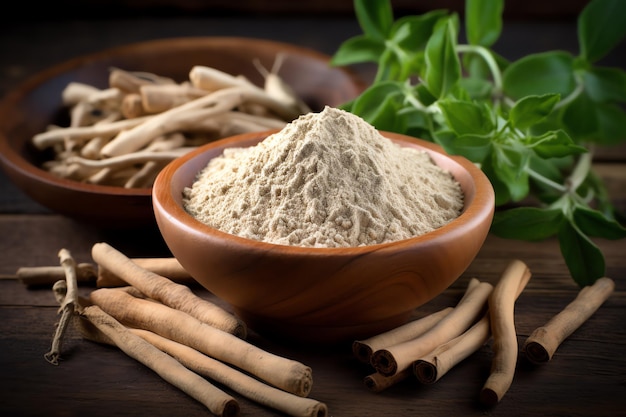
(322, 295)
(35, 104)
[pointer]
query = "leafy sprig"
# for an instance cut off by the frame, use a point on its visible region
(530, 124)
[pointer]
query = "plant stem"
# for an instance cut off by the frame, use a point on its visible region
(580, 172)
(580, 87)
(535, 175)
(488, 58)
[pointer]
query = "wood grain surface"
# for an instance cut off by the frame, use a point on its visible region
(586, 377)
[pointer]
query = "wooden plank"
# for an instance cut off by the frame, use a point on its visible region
(586, 373)
(100, 381)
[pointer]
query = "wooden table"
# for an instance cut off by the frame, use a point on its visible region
(587, 376)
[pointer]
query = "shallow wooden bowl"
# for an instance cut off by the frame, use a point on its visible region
(322, 295)
(32, 106)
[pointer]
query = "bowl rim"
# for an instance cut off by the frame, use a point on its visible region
(12, 161)
(480, 208)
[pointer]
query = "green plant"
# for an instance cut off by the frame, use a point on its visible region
(530, 125)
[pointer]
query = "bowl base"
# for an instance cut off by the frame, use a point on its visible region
(293, 333)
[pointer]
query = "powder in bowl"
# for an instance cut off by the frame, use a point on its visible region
(327, 179)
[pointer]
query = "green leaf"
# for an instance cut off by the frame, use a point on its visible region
(527, 223)
(416, 119)
(387, 117)
(379, 104)
(509, 166)
(594, 223)
(501, 190)
(584, 259)
(555, 144)
(466, 118)
(473, 147)
(375, 18)
(603, 201)
(423, 95)
(411, 33)
(531, 110)
(357, 50)
(551, 170)
(478, 81)
(443, 69)
(389, 67)
(612, 126)
(605, 84)
(580, 118)
(600, 28)
(475, 67)
(477, 88)
(538, 74)
(419, 69)
(483, 20)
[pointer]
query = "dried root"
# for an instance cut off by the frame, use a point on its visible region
(113, 131)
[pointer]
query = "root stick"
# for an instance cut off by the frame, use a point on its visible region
(501, 308)
(397, 358)
(437, 363)
(245, 385)
(48, 275)
(544, 341)
(363, 349)
(69, 305)
(133, 139)
(377, 382)
(168, 368)
(167, 267)
(157, 287)
(176, 325)
(84, 133)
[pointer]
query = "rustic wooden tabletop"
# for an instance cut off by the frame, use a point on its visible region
(586, 377)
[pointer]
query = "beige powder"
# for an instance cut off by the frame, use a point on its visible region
(327, 179)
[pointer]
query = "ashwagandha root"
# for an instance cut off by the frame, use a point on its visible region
(543, 342)
(48, 275)
(75, 92)
(277, 88)
(363, 349)
(436, 364)
(131, 81)
(159, 98)
(177, 296)
(286, 374)
(111, 129)
(204, 365)
(169, 268)
(84, 133)
(377, 382)
(211, 104)
(238, 381)
(396, 358)
(211, 79)
(501, 310)
(168, 368)
(176, 362)
(104, 329)
(130, 159)
(430, 368)
(69, 306)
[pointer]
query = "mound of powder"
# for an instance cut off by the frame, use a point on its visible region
(327, 179)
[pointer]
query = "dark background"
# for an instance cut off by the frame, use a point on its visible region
(35, 36)
(98, 9)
